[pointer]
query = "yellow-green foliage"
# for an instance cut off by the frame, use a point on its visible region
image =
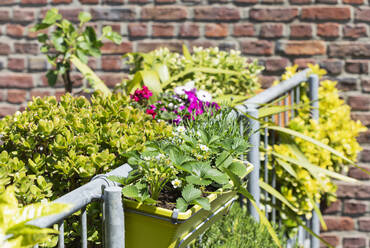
(54, 147)
(335, 129)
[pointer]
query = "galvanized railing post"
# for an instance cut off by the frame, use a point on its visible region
(114, 223)
(254, 158)
(313, 81)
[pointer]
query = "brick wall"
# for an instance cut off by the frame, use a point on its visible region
(333, 33)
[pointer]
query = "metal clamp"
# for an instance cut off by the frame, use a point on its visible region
(175, 216)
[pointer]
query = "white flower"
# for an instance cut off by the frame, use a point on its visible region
(204, 148)
(176, 183)
(170, 105)
(198, 133)
(204, 96)
(146, 158)
(159, 156)
(180, 129)
(17, 113)
(180, 90)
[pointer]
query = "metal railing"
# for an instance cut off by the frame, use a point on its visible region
(288, 90)
(102, 189)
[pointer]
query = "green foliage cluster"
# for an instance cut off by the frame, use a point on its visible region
(197, 156)
(14, 230)
(54, 147)
(335, 129)
(237, 229)
(218, 72)
(68, 43)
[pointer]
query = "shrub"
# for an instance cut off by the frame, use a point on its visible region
(236, 229)
(54, 147)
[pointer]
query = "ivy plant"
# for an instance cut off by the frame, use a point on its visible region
(69, 44)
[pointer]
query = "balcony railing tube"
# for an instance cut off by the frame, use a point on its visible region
(313, 81)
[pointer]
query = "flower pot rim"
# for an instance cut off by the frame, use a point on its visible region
(166, 213)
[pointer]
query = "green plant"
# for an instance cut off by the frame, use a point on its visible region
(237, 229)
(218, 72)
(306, 163)
(14, 230)
(67, 45)
(54, 147)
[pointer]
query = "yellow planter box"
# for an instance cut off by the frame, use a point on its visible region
(155, 227)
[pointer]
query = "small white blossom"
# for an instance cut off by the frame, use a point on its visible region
(204, 96)
(17, 113)
(159, 156)
(176, 183)
(180, 90)
(146, 158)
(204, 148)
(180, 129)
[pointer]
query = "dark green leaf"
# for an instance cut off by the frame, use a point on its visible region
(198, 180)
(190, 193)
(204, 203)
(181, 204)
(52, 77)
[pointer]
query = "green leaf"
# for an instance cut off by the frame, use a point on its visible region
(198, 180)
(238, 168)
(82, 56)
(224, 160)
(52, 76)
(217, 176)
(204, 203)
(181, 204)
(151, 80)
(190, 193)
(58, 41)
(42, 38)
(162, 71)
(287, 167)
(52, 16)
(131, 191)
(84, 17)
(186, 52)
(276, 193)
(272, 110)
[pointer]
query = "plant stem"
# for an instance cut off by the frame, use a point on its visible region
(67, 81)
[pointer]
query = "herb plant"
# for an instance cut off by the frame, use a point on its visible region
(68, 44)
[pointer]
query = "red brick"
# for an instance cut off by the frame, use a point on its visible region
(147, 46)
(347, 84)
(244, 29)
(339, 223)
(137, 30)
(245, 2)
(271, 30)
(164, 13)
(359, 102)
(331, 239)
(165, 1)
(332, 66)
(349, 49)
(300, 30)
(354, 31)
(273, 14)
(365, 83)
(189, 30)
(89, 1)
(37, 64)
(214, 30)
(310, 47)
(333, 208)
(7, 110)
(276, 64)
(111, 63)
(258, 47)
(114, 1)
(114, 14)
(300, 1)
(303, 62)
(163, 30)
(4, 49)
(216, 14)
(16, 64)
(364, 224)
(365, 157)
(357, 66)
(354, 2)
(354, 207)
(4, 16)
(111, 48)
(325, 13)
(17, 96)
(363, 117)
(328, 30)
(348, 190)
(34, 2)
(362, 14)
(354, 242)
(272, 1)
(328, 1)
(26, 48)
(14, 30)
(24, 16)
(364, 137)
(16, 80)
(202, 43)
(266, 81)
(8, 2)
(111, 79)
